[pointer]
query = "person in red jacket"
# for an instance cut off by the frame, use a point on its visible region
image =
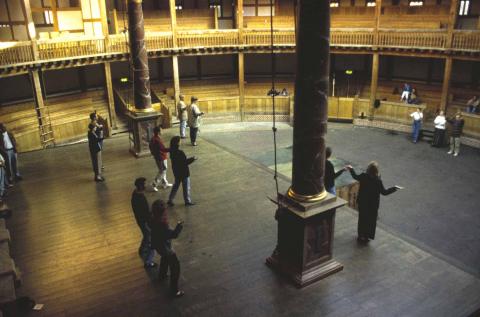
(160, 154)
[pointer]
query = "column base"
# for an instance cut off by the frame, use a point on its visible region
(140, 128)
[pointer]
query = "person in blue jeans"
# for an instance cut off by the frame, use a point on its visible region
(417, 124)
(181, 172)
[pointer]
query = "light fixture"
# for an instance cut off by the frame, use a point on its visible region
(212, 4)
(371, 3)
(334, 4)
(416, 3)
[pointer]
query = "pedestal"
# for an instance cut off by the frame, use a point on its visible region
(141, 131)
(304, 251)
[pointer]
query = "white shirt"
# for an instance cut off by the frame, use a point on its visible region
(417, 116)
(440, 122)
(6, 141)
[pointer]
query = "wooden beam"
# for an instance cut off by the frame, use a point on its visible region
(103, 16)
(176, 78)
(115, 21)
(215, 18)
(173, 21)
(378, 13)
(109, 90)
(37, 88)
(53, 4)
(241, 84)
(30, 25)
(446, 83)
(374, 83)
(9, 20)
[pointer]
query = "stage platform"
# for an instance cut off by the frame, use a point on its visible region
(76, 241)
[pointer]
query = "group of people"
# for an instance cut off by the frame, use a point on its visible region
(9, 172)
(409, 95)
(190, 115)
(440, 123)
(153, 222)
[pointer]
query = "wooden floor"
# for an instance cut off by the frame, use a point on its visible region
(76, 243)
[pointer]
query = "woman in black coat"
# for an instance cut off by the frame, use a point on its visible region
(161, 241)
(368, 199)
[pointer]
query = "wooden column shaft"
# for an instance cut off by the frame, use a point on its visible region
(31, 31)
(173, 21)
(446, 83)
(37, 89)
(451, 22)
(374, 82)
(239, 20)
(103, 16)
(110, 99)
(176, 79)
(241, 84)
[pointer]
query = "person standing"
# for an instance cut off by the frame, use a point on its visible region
(406, 92)
(182, 115)
(330, 174)
(3, 180)
(94, 145)
(142, 215)
(8, 146)
(368, 200)
(180, 171)
(160, 154)
(162, 236)
(417, 124)
(439, 134)
(455, 134)
(194, 115)
(472, 104)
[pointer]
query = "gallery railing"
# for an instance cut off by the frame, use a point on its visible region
(12, 53)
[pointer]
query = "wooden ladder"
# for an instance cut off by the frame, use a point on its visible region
(45, 126)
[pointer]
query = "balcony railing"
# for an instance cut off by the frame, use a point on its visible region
(12, 53)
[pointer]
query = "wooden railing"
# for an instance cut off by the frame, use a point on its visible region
(466, 40)
(65, 48)
(210, 38)
(15, 52)
(412, 38)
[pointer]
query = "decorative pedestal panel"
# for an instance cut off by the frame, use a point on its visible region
(141, 127)
(304, 251)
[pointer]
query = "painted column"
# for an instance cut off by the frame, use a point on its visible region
(138, 52)
(311, 101)
(374, 83)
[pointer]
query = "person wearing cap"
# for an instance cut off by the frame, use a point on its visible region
(182, 115)
(95, 147)
(194, 115)
(142, 214)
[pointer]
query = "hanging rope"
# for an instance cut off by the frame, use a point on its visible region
(273, 93)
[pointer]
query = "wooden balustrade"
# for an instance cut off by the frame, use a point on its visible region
(64, 48)
(15, 52)
(210, 38)
(412, 38)
(466, 40)
(472, 124)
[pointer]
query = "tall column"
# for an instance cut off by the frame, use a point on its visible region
(109, 89)
(306, 215)
(311, 100)
(53, 4)
(103, 17)
(452, 20)
(378, 12)
(239, 20)
(176, 79)
(446, 83)
(30, 25)
(138, 53)
(173, 21)
(373, 84)
(241, 85)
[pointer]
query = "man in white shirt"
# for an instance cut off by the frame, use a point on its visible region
(182, 116)
(194, 115)
(8, 147)
(417, 124)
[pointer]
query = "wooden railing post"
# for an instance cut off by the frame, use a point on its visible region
(239, 20)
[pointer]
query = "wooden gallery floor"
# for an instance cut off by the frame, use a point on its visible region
(76, 243)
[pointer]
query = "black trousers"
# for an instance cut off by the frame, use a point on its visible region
(170, 261)
(94, 157)
(193, 134)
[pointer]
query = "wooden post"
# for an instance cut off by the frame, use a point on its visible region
(378, 12)
(452, 20)
(115, 21)
(176, 79)
(374, 84)
(446, 84)
(215, 18)
(37, 87)
(241, 85)
(173, 21)
(109, 89)
(103, 17)
(239, 20)
(31, 32)
(53, 4)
